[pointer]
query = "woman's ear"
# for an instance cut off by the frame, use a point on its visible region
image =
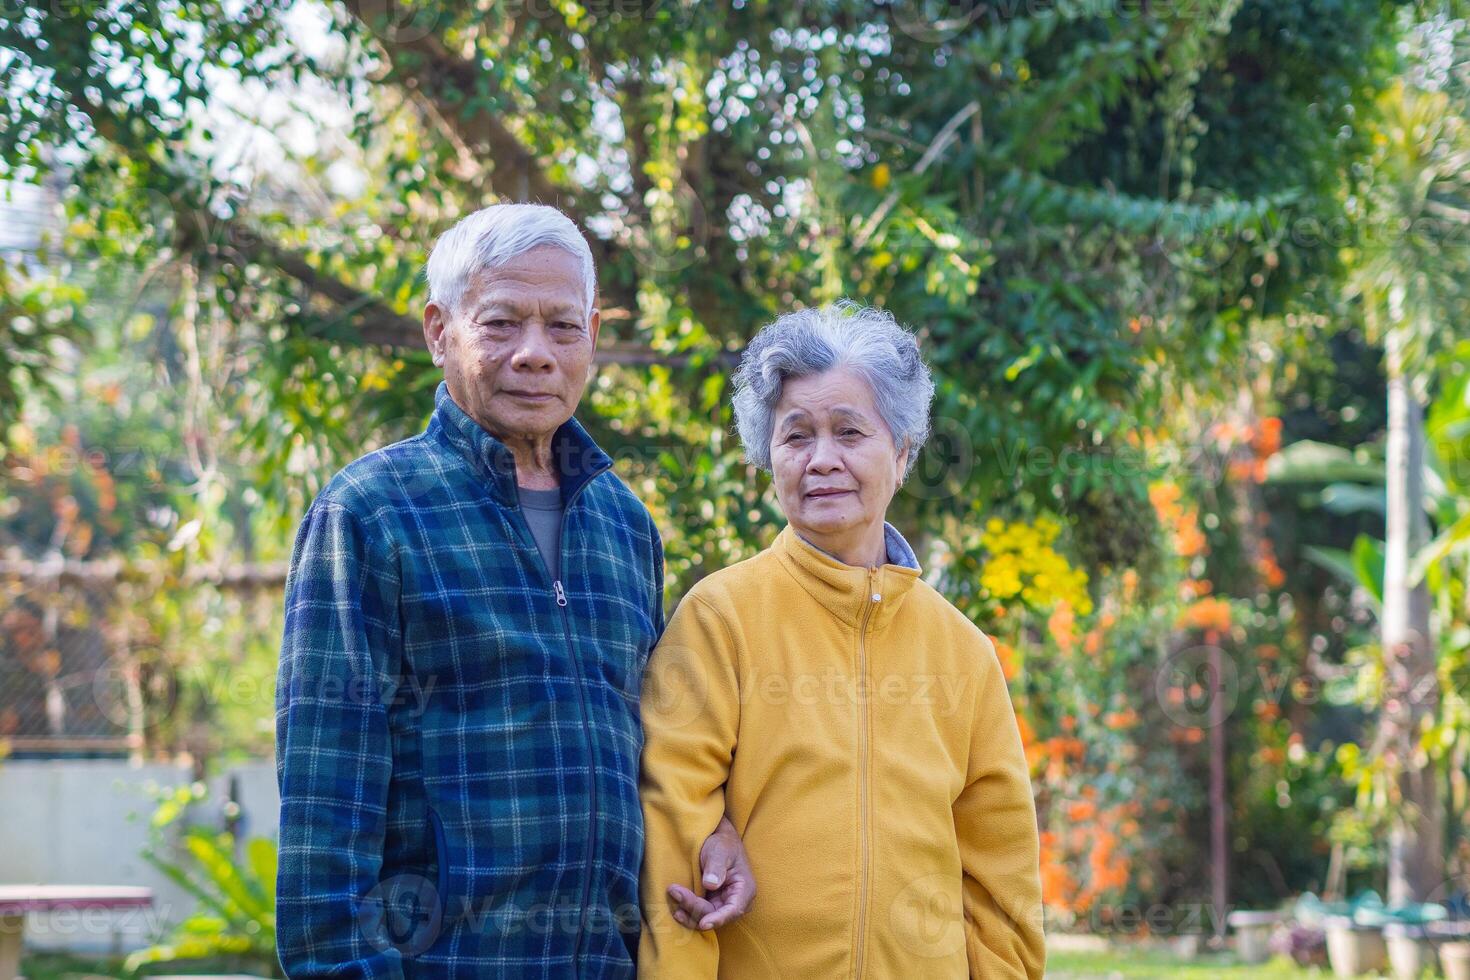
(900, 463)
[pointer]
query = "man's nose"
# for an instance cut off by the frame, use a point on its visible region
(533, 353)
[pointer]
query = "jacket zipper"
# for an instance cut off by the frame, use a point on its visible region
(865, 830)
(561, 600)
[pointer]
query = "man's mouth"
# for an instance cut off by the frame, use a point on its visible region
(532, 396)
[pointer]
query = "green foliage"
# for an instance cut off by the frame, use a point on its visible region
(1353, 481)
(233, 881)
(1040, 214)
(1097, 218)
(36, 315)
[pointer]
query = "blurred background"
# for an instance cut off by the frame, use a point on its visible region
(1192, 275)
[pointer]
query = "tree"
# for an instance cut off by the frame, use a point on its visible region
(1411, 287)
(1042, 213)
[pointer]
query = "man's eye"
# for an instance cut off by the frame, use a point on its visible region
(567, 325)
(499, 323)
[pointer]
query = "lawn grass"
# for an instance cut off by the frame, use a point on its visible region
(64, 966)
(1059, 966)
(1140, 965)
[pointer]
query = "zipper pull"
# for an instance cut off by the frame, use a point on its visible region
(561, 597)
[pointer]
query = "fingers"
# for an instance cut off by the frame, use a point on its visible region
(688, 908)
(716, 859)
(729, 903)
(722, 915)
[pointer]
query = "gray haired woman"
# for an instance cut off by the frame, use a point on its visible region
(855, 726)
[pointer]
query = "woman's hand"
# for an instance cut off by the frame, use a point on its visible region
(729, 885)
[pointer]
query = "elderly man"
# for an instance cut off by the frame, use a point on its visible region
(468, 617)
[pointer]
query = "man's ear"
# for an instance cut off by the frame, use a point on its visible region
(436, 321)
(594, 324)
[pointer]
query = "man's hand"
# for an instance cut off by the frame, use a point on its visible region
(729, 885)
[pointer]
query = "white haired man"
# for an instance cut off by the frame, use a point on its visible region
(468, 617)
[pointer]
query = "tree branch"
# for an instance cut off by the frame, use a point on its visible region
(436, 71)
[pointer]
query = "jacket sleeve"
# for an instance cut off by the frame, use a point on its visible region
(1000, 848)
(658, 581)
(340, 648)
(691, 714)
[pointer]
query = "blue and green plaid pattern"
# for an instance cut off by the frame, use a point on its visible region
(457, 750)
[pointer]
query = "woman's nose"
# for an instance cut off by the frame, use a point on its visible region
(825, 456)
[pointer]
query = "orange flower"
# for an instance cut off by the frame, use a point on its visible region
(1060, 624)
(1057, 884)
(1130, 584)
(1028, 736)
(1188, 539)
(1268, 567)
(1007, 657)
(1206, 614)
(1268, 436)
(1161, 495)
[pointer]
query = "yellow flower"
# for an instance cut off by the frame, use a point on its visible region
(1022, 561)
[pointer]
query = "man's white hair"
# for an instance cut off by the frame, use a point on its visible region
(493, 236)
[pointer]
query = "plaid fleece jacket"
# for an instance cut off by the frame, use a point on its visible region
(457, 735)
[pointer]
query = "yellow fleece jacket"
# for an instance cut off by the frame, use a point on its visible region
(857, 729)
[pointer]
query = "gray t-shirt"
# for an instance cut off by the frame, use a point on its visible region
(543, 510)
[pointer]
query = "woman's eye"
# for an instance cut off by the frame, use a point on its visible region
(796, 437)
(850, 432)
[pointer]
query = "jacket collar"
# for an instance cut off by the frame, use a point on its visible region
(577, 457)
(847, 591)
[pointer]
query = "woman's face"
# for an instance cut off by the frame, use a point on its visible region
(833, 458)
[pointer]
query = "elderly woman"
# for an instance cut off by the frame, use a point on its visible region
(853, 723)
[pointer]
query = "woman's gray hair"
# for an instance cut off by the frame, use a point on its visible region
(867, 341)
(496, 234)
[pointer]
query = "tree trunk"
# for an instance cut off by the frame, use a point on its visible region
(1416, 838)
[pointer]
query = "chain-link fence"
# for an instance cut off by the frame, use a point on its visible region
(101, 659)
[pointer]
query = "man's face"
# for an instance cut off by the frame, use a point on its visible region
(517, 350)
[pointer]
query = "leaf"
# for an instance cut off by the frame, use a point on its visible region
(1341, 563)
(1449, 540)
(1014, 369)
(1367, 557)
(1352, 498)
(1319, 462)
